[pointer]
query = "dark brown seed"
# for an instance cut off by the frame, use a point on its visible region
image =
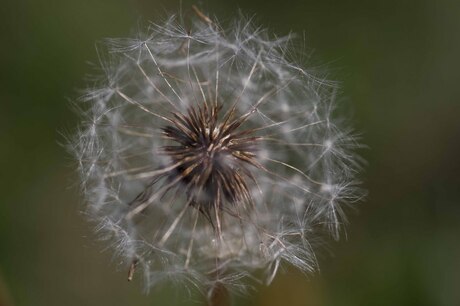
(213, 159)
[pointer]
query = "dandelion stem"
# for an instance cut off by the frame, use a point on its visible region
(218, 296)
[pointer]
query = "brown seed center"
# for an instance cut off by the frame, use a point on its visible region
(212, 157)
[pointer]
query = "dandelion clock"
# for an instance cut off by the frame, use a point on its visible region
(210, 157)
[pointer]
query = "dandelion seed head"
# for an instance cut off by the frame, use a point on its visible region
(209, 156)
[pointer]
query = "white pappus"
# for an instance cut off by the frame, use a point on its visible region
(209, 156)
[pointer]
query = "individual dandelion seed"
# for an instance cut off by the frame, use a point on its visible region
(210, 157)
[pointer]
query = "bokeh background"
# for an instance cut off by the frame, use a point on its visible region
(399, 66)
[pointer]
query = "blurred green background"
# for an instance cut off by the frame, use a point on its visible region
(399, 64)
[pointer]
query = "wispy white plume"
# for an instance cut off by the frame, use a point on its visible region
(208, 155)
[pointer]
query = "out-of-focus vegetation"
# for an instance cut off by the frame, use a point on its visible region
(398, 62)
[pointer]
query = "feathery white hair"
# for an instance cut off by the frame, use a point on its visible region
(284, 168)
